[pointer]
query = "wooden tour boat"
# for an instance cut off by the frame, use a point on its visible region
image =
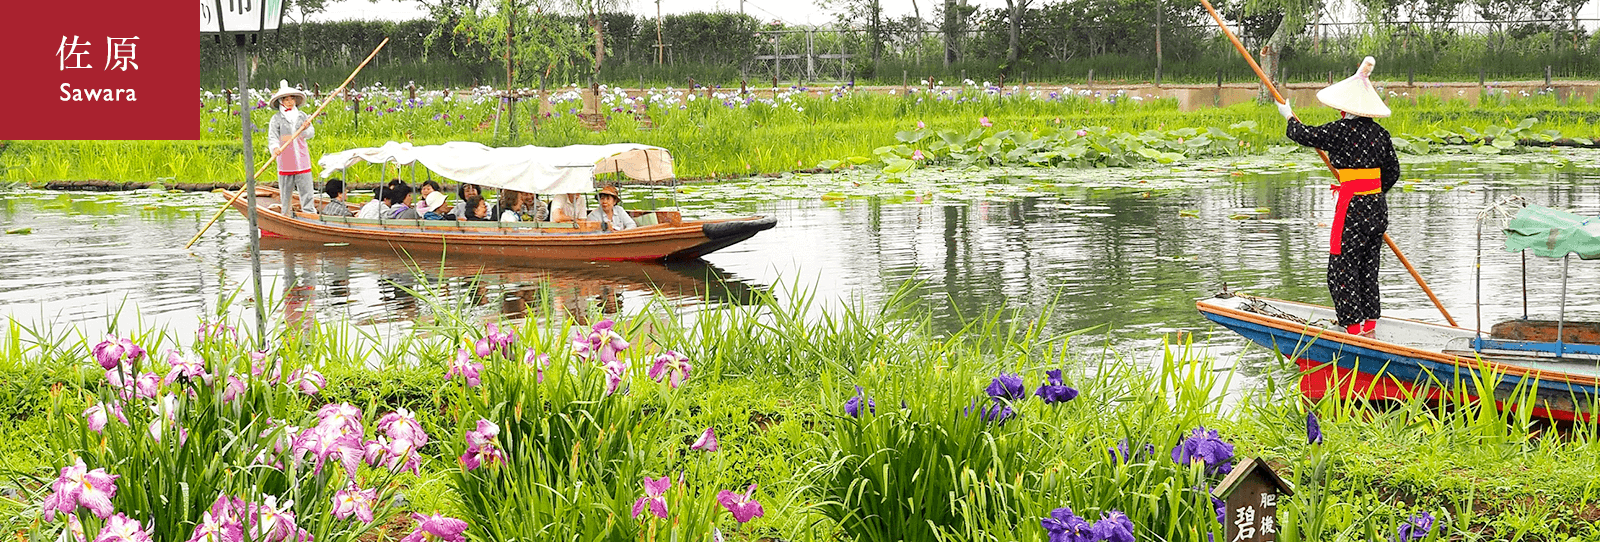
(1556, 363)
(662, 235)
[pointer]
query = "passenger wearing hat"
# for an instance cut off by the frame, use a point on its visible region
(429, 207)
(1363, 156)
(294, 163)
(610, 215)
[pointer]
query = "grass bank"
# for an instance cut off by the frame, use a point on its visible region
(722, 134)
(850, 424)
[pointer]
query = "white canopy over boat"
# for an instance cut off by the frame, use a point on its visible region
(537, 170)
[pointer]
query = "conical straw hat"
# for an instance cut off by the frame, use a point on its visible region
(285, 90)
(1355, 94)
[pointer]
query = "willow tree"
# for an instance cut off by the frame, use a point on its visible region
(528, 34)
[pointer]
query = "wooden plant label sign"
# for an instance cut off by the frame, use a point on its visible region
(1252, 492)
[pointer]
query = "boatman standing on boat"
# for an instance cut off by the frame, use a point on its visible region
(1363, 155)
(294, 163)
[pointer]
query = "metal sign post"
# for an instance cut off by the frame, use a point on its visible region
(245, 20)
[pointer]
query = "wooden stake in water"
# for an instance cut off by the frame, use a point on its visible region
(296, 134)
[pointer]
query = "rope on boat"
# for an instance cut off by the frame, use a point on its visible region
(1256, 305)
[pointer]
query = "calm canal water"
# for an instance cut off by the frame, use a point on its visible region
(1126, 250)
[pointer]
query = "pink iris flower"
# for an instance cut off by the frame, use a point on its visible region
(97, 415)
(614, 370)
(271, 522)
(271, 371)
(79, 486)
(673, 366)
(500, 339)
(232, 388)
(185, 367)
(214, 527)
(113, 351)
(120, 528)
(354, 501)
(984, 122)
(308, 380)
(340, 418)
(485, 433)
(402, 425)
(917, 154)
(653, 491)
(706, 442)
(325, 443)
(76, 528)
(147, 386)
(538, 361)
(743, 507)
(436, 527)
(463, 366)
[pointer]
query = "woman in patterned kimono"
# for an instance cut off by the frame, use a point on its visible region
(1363, 155)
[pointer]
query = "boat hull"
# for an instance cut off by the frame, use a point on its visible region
(1408, 359)
(676, 241)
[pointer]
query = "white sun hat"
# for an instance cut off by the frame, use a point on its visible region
(285, 90)
(1355, 95)
(431, 203)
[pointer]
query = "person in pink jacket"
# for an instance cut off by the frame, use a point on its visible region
(294, 164)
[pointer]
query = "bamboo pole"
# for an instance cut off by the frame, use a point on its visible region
(296, 134)
(1324, 155)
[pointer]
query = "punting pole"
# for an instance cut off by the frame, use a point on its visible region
(1279, 97)
(1561, 317)
(296, 134)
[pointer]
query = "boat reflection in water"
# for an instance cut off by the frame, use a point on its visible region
(331, 283)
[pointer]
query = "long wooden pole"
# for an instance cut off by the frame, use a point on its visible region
(244, 97)
(1324, 155)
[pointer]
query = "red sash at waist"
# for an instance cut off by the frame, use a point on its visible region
(1352, 182)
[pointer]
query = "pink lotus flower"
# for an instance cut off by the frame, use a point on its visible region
(79, 486)
(539, 362)
(920, 125)
(1081, 132)
(464, 366)
(354, 501)
(436, 527)
(120, 528)
(653, 491)
(917, 154)
(308, 380)
(743, 507)
(402, 425)
(673, 366)
(114, 351)
(232, 388)
(984, 122)
(97, 416)
(706, 442)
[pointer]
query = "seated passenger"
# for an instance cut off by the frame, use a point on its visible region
(336, 205)
(374, 209)
(400, 204)
(611, 215)
(476, 208)
(567, 208)
(427, 189)
(466, 190)
(520, 207)
(430, 205)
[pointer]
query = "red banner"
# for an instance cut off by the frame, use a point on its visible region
(100, 69)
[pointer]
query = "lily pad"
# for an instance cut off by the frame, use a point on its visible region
(19, 231)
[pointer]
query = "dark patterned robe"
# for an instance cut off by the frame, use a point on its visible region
(1356, 143)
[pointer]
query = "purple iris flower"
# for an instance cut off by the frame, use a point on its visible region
(672, 366)
(114, 351)
(328, 443)
(482, 455)
(743, 507)
(614, 370)
(1416, 527)
(1313, 429)
(610, 343)
(1007, 386)
(120, 528)
(653, 491)
(79, 486)
(1114, 526)
(853, 406)
(463, 366)
(1065, 526)
(1205, 445)
(1222, 508)
(997, 411)
(436, 527)
(99, 413)
(402, 424)
(354, 501)
(483, 347)
(706, 442)
(1053, 390)
(1121, 454)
